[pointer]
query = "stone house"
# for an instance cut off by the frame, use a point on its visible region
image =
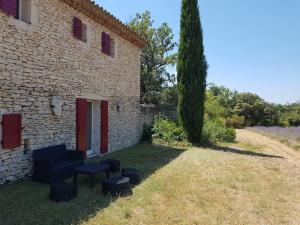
(69, 73)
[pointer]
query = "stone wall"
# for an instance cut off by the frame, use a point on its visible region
(42, 60)
(148, 112)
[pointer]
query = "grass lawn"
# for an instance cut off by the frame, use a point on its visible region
(180, 186)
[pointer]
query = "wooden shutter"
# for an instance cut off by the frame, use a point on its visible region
(81, 125)
(104, 127)
(77, 28)
(106, 43)
(11, 131)
(0, 4)
(10, 7)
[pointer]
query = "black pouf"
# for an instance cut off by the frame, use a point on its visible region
(132, 174)
(62, 191)
(117, 186)
(114, 164)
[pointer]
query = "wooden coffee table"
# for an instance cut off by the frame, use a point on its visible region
(92, 170)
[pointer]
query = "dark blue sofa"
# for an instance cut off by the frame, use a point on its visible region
(55, 163)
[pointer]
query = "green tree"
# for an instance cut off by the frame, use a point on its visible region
(169, 96)
(255, 110)
(213, 108)
(156, 57)
(226, 97)
(289, 114)
(191, 71)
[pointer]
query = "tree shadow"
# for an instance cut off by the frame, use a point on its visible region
(243, 152)
(27, 202)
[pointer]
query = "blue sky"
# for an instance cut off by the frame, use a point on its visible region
(251, 45)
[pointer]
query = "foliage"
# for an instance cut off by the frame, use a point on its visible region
(236, 121)
(215, 130)
(147, 133)
(294, 120)
(168, 130)
(155, 58)
(213, 108)
(289, 114)
(225, 97)
(191, 71)
(236, 106)
(218, 104)
(169, 96)
(255, 110)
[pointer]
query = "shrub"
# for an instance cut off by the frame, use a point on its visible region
(229, 135)
(235, 121)
(283, 122)
(168, 130)
(147, 133)
(215, 130)
(294, 121)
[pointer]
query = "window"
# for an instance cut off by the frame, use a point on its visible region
(79, 30)
(24, 11)
(20, 9)
(108, 45)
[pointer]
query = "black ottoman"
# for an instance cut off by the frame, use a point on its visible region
(62, 191)
(117, 186)
(132, 174)
(114, 164)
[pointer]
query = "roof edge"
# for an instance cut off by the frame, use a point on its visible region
(100, 15)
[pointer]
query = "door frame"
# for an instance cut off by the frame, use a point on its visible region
(104, 144)
(91, 151)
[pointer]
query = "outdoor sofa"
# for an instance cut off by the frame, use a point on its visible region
(55, 163)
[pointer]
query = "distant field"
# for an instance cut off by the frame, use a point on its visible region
(289, 136)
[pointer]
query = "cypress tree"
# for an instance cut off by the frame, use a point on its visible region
(191, 71)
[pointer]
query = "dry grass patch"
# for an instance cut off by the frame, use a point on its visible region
(203, 186)
(185, 187)
(249, 146)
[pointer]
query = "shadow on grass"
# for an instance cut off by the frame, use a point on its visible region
(244, 152)
(27, 202)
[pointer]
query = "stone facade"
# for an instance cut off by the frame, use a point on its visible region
(149, 112)
(44, 69)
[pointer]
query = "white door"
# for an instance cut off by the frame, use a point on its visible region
(90, 127)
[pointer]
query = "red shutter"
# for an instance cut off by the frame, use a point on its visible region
(10, 7)
(81, 125)
(11, 131)
(104, 127)
(103, 42)
(106, 42)
(0, 4)
(77, 28)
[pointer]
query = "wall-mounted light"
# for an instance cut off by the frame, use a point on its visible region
(57, 105)
(118, 107)
(26, 146)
